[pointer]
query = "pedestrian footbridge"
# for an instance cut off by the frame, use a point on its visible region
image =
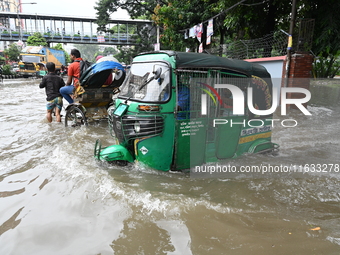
(67, 29)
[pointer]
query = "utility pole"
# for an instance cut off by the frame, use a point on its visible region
(290, 42)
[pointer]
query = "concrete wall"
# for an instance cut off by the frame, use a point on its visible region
(274, 65)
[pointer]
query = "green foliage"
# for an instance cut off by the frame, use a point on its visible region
(122, 29)
(326, 35)
(327, 27)
(13, 52)
(2, 60)
(88, 51)
(126, 54)
(326, 67)
(254, 19)
(59, 46)
(36, 40)
(135, 8)
(144, 39)
(104, 9)
(249, 20)
(6, 70)
(174, 18)
(109, 51)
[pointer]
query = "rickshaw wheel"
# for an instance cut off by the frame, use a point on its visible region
(75, 117)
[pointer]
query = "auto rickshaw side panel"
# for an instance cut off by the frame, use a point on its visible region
(227, 138)
(198, 141)
(190, 144)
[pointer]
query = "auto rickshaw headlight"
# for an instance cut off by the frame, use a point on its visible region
(136, 127)
(149, 108)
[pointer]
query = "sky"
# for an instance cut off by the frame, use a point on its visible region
(74, 8)
(82, 8)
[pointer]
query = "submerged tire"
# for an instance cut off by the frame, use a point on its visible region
(118, 162)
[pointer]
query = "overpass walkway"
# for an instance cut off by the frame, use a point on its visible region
(67, 29)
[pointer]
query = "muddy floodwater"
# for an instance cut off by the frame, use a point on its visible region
(56, 199)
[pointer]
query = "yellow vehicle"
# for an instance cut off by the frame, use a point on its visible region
(34, 58)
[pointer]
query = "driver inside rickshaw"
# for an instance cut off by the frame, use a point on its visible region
(183, 100)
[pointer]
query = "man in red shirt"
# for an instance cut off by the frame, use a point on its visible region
(73, 74)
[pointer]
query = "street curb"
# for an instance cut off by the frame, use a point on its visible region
(11, 76)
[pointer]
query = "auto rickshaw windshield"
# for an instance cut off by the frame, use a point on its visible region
(147, 82)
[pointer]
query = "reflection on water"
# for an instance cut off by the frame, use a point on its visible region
(55, 199)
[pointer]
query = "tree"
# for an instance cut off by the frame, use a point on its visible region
(177, 16)
(12, 52)
(2, 60)
(135, 8)
(125, 54)
(145, 35)
(59, 46)
(235, 20)
(326, 44)
(36, 40)
(88, 51)
(110, 51)
(145, 38)
(254, 19)
(123, 29)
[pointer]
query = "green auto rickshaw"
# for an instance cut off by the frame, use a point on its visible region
(174, 111)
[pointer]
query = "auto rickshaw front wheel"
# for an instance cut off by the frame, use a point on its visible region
(118, 162)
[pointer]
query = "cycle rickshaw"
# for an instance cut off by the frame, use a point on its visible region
(92, 98)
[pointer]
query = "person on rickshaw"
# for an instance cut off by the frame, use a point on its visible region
(183, 101)
(73, 74)
(110, 78)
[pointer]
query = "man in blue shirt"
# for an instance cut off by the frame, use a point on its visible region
(183, 102)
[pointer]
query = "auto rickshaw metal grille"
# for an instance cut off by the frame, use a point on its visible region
(141, 126)
(135, 126)
(202, 81)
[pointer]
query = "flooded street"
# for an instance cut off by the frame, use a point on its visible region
(56, 199)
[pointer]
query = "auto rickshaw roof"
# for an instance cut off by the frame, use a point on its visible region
(202, 60)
